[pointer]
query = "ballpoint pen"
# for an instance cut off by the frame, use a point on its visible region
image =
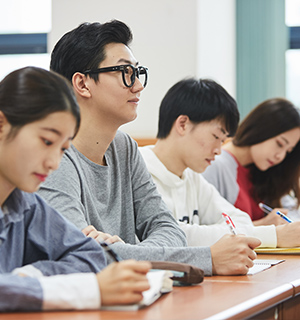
(283, 216)
(268, 209)
(229, 223)
(265, 208)
(110, 251)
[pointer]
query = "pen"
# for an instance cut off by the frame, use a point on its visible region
(283, 216)
(229, 223)
(265, 208)
(110, 251)
(196, 217)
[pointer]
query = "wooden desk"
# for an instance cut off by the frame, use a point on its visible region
(286, 272)
(272, 292)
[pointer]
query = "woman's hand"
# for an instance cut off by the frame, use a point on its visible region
(92, 232)
(123, 282)
(272, 218)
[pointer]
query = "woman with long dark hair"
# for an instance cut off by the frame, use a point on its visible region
(262, 162)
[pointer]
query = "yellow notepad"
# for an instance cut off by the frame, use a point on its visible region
(295, 250)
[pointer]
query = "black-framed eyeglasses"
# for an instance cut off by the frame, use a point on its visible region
(129, 73)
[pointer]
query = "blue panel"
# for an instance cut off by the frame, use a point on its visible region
(23, 43)
(294, 33)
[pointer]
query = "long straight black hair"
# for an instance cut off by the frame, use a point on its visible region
(269, 119)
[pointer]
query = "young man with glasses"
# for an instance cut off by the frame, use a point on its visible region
(103, 185)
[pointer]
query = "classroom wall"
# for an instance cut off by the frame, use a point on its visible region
(173, 38)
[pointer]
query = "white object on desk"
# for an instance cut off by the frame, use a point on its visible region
(160, 283)
(262, 264)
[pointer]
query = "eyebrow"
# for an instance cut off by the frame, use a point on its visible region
(54, 131)
(223, 131)
(286, 140)
(127, 61)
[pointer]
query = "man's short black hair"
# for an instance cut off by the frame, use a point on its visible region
(200, 100)
(83, 48)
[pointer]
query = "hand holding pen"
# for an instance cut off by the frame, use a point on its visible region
(272, 216)
(233, 255)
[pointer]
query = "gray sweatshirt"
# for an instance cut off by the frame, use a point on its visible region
(121, 199)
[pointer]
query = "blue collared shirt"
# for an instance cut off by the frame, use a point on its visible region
(31, 232)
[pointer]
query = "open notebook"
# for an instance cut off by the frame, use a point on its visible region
(262, 264)
(160, 283)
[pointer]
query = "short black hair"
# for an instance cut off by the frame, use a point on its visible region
(201, 100)
(83, 48)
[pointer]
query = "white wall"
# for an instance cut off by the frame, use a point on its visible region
(173, 38)
(217, 42)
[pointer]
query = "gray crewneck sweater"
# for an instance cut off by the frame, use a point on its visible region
(121, 199)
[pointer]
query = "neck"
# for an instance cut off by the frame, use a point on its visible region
(93, 139)
(242, 154)
(166, 151)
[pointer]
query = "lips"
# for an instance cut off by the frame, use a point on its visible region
(41, 177)
(210, 160)
(135, 100)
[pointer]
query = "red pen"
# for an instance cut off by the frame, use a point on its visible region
(229, 223)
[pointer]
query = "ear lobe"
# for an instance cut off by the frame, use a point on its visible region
(80, 85)
(181, 124)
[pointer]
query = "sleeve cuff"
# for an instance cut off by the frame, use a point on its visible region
(267, 235)
(28, 271)
(72, 291)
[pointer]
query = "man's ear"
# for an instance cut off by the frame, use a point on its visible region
(181, 124)
(80, 85)
(4, 125)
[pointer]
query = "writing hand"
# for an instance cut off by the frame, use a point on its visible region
(233, 254)
(272, 218)
(123, 282)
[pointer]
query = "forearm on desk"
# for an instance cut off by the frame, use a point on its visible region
(197, 256)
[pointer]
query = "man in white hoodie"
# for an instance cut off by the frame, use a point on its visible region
(195, 118)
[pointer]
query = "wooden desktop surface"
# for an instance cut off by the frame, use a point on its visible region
(218, 297)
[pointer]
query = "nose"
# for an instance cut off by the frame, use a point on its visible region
(53, 160)
(217, 149)
(279, 156)
(137, 86)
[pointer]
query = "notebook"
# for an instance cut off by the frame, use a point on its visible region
(295, 250)
(262, 264)
(160, 283)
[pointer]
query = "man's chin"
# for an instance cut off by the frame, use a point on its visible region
(200, 170)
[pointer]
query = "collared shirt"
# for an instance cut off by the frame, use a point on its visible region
(37, 241)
